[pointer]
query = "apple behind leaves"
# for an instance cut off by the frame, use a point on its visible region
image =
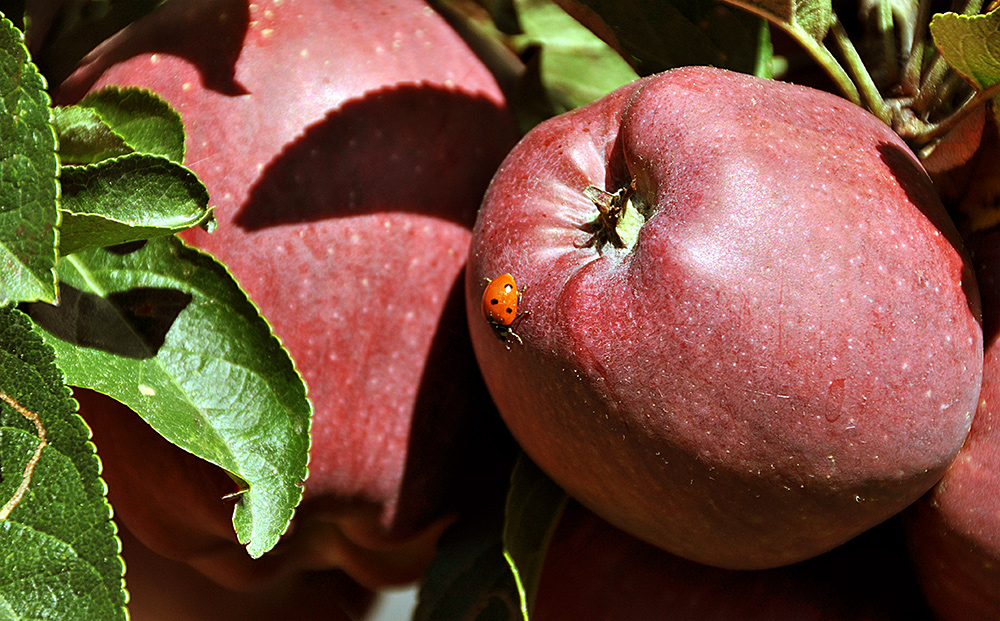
(346, 147)
(955, 529)
(164, 590)
(784, 352)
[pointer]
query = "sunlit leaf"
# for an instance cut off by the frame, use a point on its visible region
(971, 45)
(165, 329)
(59, 554)
(28, 167)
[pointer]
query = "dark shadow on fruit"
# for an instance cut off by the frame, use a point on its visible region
(869, 577)
(458, 450)
(918, 188)
(162, 588)
(168, 30)
(372, 155)
(454, 419)
(132, 323)
(985, 250)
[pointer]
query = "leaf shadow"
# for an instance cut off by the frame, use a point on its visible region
(132, 323)
(455, 426)
(373, 154)
(176, 28)
(914, 181)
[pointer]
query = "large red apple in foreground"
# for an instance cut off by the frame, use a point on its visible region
(346, 146)
(955, 529)
(785, 353)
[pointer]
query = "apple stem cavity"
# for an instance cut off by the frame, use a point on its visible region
(618, 218)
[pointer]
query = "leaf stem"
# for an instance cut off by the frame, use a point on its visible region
(876, 104)
(973, 7)
(888, 36)
(935, 130)
(812, 45)
(827, 61)
(930, 88)
(915, 63)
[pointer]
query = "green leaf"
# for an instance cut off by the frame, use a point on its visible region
(576, 67)
(165, 329)
(84, 138)
(808, 22)
(534, 505)
(59, 553)
(971, 45)
(469, 578)
(126, 199)
(117, 121)
(487, 567)
(143, 120)
(28, 167)
(661, 35)
(811, 18)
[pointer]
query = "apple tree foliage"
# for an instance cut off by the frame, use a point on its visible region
(97, 292)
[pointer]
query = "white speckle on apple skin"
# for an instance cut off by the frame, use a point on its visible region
(782, 271)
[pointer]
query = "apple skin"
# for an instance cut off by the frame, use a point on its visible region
(955, 529)
(595, 572)
(346, 147)
(155, 582)
(789, 354)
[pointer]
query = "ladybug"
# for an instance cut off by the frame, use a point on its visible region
(500, 302)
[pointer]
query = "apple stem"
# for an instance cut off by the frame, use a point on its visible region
(935, 77)
(862, 78)
(615, 217)
(930, 86)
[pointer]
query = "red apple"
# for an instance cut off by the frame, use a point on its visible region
(784, 353)
(346, 146)
(955, 529)
(164, 590)
(595, 572)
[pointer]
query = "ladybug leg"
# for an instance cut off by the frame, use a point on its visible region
(514, 334)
